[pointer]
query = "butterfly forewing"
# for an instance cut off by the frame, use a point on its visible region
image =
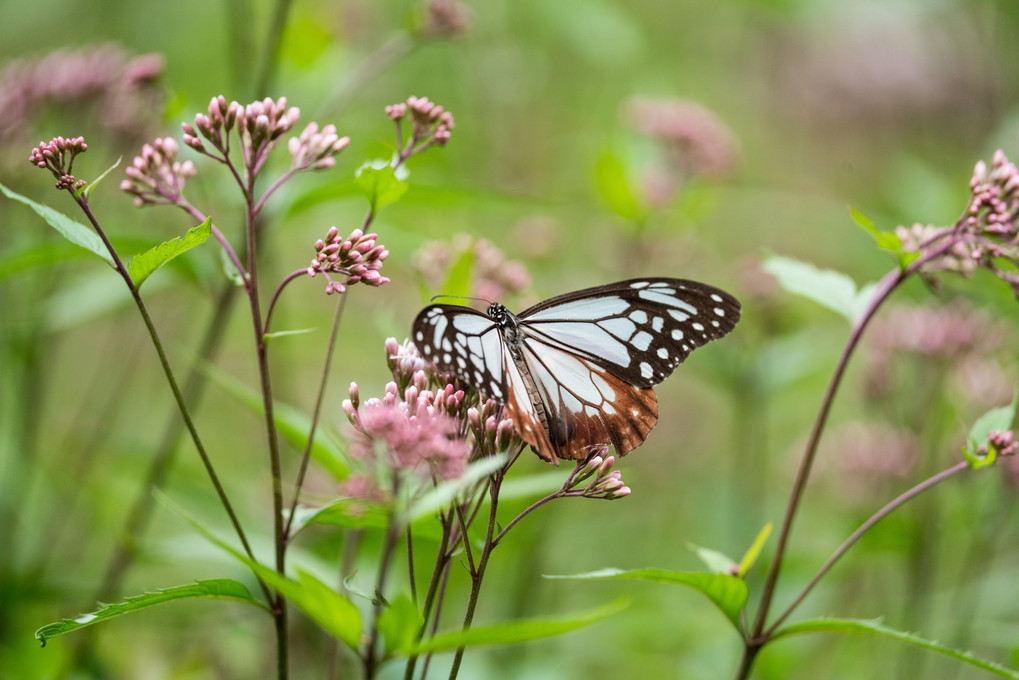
(465, 343)
(638, 330)
(579, 372)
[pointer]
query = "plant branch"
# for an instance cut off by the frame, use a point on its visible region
(856, 535)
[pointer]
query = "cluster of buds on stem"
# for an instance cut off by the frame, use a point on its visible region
(57, 156)
(316, 149)
(606, 483)
(431, 125)
(156, 176)
(987, 235)
(259, 126)
(357, 258)
(1003, 442)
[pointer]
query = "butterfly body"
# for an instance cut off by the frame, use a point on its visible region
(576, 371)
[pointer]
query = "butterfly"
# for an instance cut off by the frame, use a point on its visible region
(576, 371)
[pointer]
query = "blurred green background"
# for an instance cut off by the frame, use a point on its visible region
(813, 106)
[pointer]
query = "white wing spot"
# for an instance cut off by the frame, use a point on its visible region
(678, 315)
(639, 284)
(646, 370)
(716, 324)
(634, 412)
(606, 390)
(638, 316)
(609, 409)
(719, 311)
(657, 323)
(440, 327)
(446, 346)
(621, 328)
(696, 326)
(641, 341)
(663, 353)
(446, 358)
(686, 348)
(461, 363)
(716, 297)
(427, 349)
(419, 336)
(677, 334)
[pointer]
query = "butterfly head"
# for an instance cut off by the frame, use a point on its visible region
(498, 313)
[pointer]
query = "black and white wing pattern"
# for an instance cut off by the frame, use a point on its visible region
(576, 371)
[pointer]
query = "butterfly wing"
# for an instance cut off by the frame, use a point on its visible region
(637, 330)
(469, 345)
(595, 354)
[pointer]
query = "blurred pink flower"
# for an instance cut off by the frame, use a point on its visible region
(493, 276)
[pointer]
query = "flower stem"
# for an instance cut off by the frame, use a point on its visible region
(863, 528)
(371, 661)
(168, 372)
(316, 411)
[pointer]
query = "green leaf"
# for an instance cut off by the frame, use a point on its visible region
(614, 187)
(718, 562)
(441, 496)
(531, 486)
(87, 189)
(886, 240)
(862, 627)
(283, 334)
(458, 279)
(728, 593)
(229, 268)
(399, 624)
(75, 232)
(1000, 418)
(356, 513)
(145, 264)
(518, 631)
(293, 424)
(754, 551)
(217, 588)
(378, 182)
(834, 290)
(335, 613)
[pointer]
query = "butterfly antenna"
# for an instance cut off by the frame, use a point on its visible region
(461, 297)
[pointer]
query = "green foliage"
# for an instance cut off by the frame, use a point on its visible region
(863, 627)
(614, 187)
(218, 589)
(294, 425)
(515, 632)
(444, 493)
(358, 513)
(716, 561)
(834, 290)
(728, 593)
(1000, 418)
(754, 551)
(399, 623)
(75, 232)
(886, 240)
(335, 613)
(87, 189)
(458, 280)
(379, 183)
(145, 264)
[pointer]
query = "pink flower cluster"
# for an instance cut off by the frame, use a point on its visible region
(431, 124)
(57, 156)
(1004, 442)
(416, 433)
(357, 258)
(316, 149)
(987, 235)
(259, 126)
(156, 176)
